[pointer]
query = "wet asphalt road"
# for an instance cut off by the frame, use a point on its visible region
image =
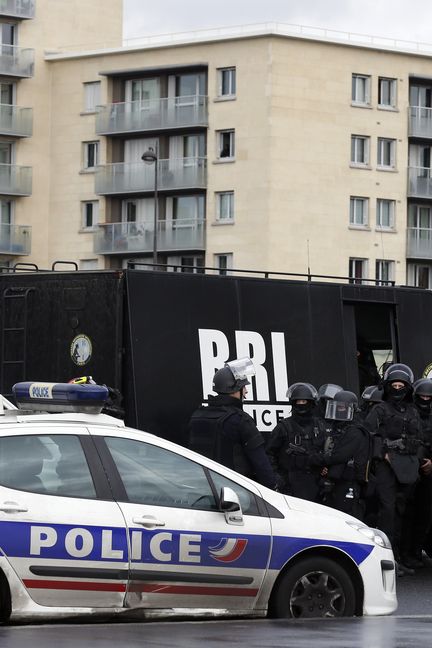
(410, 627)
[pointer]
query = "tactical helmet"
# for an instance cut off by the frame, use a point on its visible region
(372, 394)
(328, 391)
(225, 383)
(302, 391)
(423, 387)
(399, 373)
(342, 407)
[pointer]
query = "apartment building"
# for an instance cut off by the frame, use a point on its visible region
(267, 149)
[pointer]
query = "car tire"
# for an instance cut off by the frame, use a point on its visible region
(313, 587)
(5, 599)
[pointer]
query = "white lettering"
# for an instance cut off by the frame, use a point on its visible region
(267, 417)
(279, 366)
(107, 548)
(155, 547)
(214, 352)
(189, 548)
(252, 345)
(41, 537)
(136, 545)
(76, 537)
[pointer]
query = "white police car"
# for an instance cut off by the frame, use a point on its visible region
(95, 516)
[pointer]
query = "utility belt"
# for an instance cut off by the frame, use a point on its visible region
(403, 445)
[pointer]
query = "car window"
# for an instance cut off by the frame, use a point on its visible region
(247, 499)
(48, 464)
(153, 475)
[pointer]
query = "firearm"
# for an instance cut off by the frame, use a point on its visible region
(295, 449)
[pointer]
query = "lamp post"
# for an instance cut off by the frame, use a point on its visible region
(151, 157)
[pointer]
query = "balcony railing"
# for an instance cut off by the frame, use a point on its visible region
(138, 177)
(16, 121)
(172, 236)
(15, 239)
(420, 121)
(152, 114)
(419, 243)
(21, 9)
(16, 61)
(15, 180)
(420, 182)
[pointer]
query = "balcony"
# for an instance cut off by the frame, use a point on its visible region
(420, 122)
(152, 115)
(16, 61)
(15, 239)
(172, 236)
(420, 182)
(419, 243)
(138, 177)
(20, 9)
(16, 121)
(15, 180)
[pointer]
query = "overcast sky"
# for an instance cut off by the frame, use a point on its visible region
(400, 19)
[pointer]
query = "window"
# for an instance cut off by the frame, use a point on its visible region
(88, 264)
(91, 96)
(193, 264)
(386, 157)
(386, 93)
(90, 154)
(247, 499)
(90, 214)
(225, 206)
(384, 271)
(357, 270)
(385, 213)
(360, 89)
(359, 211)
(223, 262)
(226, 144)
(359, 150)
(49, 464)
(227, 82)
(159, 477)
(419, 275)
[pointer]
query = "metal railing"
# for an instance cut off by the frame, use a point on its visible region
(172, 235)
(420, 182)
(152, 114)
(17, 8)
(16, 61)
(15, 239)
(15, 120)
(15, 180)
(419, 242)
(138, 177)
(419, 121)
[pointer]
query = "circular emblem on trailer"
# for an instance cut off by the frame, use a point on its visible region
(427, 373)
(81, 349)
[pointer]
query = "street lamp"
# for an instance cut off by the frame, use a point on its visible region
(151, 157)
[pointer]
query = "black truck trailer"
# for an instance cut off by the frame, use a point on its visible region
(158, 337)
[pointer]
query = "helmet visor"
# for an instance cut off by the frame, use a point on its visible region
(242, 368)
(339, 411)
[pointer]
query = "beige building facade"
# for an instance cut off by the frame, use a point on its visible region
(275, 151)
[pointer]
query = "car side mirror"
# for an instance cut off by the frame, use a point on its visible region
(230, 505)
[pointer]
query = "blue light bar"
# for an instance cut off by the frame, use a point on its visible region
(60, 397)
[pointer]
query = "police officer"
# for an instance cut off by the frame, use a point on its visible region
(344, 461)
(224, 432)
(370, 396)
(292, 442)
(395, 424)
(325, 393)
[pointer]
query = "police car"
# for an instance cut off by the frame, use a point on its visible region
(98, 517)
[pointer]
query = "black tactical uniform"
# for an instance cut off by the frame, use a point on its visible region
(395, 425)
(344, 461)
(293, 441)
(225, 433)
(369, 398)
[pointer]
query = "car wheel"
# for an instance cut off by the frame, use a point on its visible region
(313, 587)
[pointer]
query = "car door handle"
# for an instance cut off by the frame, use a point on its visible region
(12, 507)
(148, 521)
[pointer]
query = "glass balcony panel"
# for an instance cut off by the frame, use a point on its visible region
(420, 121)
(138, 177)
(15, 239)
(15, 180)
(16, 121)
(152, 114)
(172, 236)
(22, 9)
(16, 61)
